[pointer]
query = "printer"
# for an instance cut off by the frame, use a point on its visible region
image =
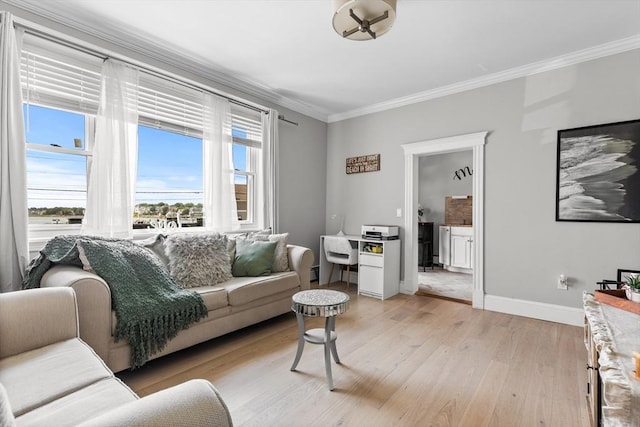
(380, 232)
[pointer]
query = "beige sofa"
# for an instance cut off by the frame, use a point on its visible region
(50, 377)
(231, 305)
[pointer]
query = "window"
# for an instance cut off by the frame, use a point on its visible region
(242, 177)
(61, 89)
(176, 113)
(247, 143)
(169, 181)
(56, 165)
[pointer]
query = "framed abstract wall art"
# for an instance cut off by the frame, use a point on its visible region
(598, 173)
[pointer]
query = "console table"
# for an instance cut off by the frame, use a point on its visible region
(611, 337)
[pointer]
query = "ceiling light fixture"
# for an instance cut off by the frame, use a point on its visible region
(363, 19)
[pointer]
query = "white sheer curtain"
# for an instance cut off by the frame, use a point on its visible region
(268, 170)
(112, 170)
(220, 210)
(14, 255)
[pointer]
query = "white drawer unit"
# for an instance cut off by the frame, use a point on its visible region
(372, 260)
(379, 268)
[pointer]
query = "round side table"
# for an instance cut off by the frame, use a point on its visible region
(319, 303)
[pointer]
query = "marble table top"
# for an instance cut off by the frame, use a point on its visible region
(320, 302)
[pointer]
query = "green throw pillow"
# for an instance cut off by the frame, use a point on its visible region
(253, 258)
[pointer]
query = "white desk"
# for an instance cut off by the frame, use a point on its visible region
(378, 273)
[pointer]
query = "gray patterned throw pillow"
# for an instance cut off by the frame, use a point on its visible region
(198, 259)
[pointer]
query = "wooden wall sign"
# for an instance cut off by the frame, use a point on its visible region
(368, 163)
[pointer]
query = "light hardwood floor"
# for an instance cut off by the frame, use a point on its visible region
(407, 361)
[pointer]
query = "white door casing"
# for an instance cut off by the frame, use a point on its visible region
(412, 152)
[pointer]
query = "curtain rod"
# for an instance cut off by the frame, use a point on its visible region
(98, 54)
(281, 117)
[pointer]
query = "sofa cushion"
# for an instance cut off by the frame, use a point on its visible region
(253, 258)
(39, 376)
(198, 259)
(6, 414)
(242, 290)
(82, 404)
(214, 297)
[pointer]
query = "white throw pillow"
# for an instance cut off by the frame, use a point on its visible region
(156, 245)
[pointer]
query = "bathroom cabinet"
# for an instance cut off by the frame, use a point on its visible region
(456, 248)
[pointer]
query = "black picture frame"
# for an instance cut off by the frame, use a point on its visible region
(623, 273)
(598, 173)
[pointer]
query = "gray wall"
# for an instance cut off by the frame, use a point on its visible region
(525, 249)
(302, 172)
(303, 168)
(436, 181)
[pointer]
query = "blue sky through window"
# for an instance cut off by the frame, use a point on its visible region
(169, 167)
(47, 126)
(169, 164)
(55, 179)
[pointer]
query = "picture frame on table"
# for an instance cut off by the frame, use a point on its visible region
(598, 173)
(623, 274)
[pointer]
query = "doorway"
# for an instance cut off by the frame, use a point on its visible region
(445, 197)
(412, 153)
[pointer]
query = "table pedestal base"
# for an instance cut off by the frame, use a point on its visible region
(326, 336)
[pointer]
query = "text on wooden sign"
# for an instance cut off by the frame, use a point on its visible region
(368, 163)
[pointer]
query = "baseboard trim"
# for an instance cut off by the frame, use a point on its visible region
(536, 310)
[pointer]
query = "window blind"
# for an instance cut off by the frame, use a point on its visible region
(167, 105)
(57, 76)
(246, 126)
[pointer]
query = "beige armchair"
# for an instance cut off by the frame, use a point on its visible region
(52, 377)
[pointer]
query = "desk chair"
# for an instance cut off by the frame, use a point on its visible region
(340, 250)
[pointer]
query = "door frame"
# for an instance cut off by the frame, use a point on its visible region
(412, 152)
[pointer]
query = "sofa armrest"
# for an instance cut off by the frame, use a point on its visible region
(94, 304)
(300, 260)
(192, 403)
(35, 318)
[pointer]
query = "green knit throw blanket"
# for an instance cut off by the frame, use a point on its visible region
(150, 307)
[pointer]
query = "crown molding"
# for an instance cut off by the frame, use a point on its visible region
(196, 66)
(572, 58)
(146, 47)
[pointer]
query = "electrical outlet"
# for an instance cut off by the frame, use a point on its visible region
(563, 282)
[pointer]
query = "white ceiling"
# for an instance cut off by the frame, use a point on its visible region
(286, 51)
